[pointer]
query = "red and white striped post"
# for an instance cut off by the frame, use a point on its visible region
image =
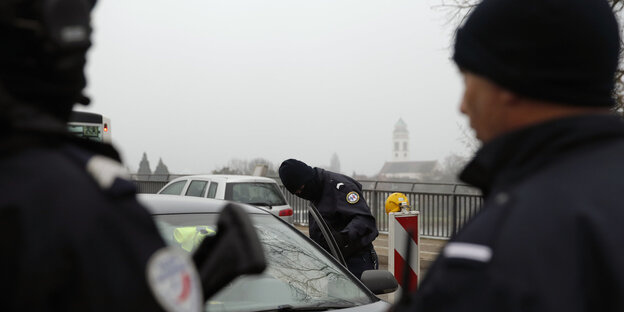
(400, 223)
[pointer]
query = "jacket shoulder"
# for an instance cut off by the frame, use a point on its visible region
(341, 183)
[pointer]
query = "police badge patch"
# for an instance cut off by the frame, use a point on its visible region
(353, 197)
(174, 280)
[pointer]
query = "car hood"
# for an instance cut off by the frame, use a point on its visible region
(379, 306)
(373, 307)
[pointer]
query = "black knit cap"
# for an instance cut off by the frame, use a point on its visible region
(294, 174)
(562, 51)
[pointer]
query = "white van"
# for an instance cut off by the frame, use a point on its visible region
(257, 191)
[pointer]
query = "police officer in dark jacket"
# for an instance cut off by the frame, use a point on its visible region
(72, 235)
(339, 201)
(539, 77)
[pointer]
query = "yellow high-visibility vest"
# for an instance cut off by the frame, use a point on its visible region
(190, 237)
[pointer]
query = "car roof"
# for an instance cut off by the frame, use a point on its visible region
(226, 178)
(167, 204)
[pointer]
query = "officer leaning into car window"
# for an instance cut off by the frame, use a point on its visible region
(539, 80)
(72, 236)
(339, 201)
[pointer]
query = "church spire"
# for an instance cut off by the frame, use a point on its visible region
(400, 140)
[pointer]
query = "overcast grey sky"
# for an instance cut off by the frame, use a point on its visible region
(198, 82)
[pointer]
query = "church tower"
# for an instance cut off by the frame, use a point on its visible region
(400, 138)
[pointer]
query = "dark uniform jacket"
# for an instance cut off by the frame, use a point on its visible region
(550, 236)
(70, 240)
(344, 215)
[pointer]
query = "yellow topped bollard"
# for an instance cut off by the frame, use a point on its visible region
(397, 202)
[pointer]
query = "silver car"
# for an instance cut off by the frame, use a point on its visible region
(300, 276)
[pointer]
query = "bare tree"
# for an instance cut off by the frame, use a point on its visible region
(467, 139)
(246, 167)
(458, 10)
(271, 168)
(452, 165)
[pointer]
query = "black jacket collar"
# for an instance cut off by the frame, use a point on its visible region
(513, 156)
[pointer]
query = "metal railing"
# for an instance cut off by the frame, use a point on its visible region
(149, 187)
(444, 207)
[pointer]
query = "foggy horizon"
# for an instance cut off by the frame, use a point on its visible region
(199, 83)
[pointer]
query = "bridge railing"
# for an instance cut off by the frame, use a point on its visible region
(444, 207)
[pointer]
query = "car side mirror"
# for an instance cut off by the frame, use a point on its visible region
(235, 250)
(379, 281)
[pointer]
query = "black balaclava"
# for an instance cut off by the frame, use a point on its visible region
(564, 51)
(295, 173)
(312, 189)
(43, 53)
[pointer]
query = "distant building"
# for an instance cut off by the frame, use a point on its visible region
(401, 167)
(400, 140)
(409, 170)
(334, 163)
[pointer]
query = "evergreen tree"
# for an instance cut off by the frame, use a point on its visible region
(161, 173)
(144, 168)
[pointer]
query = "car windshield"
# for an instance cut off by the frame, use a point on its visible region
(255, 193)
(298, 273)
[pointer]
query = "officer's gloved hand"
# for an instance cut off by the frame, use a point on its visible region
(343, 241)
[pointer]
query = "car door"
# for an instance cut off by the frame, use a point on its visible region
(327, 234)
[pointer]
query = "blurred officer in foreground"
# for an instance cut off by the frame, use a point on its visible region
(72, 236)
(339, 201)
(539, 78)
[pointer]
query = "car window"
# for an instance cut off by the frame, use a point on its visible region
(299, 274)
(184, 237)
(255, 192)
(196, 188)
(174, 188)
(212, 190)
